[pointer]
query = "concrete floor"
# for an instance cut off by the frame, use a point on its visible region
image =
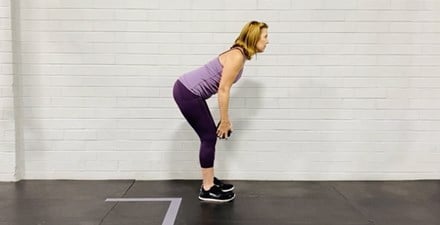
(257, 203)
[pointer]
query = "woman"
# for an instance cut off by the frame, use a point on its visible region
(216, 77)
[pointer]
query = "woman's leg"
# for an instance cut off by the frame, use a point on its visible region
(208, 139)
(197, 113)
(208, 177)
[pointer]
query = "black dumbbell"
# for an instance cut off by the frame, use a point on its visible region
(228, 134)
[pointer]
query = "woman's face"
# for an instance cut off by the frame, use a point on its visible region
(261, 44)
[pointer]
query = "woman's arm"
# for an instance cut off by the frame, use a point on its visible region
(233, 62)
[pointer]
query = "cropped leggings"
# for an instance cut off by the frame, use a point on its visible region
(196, 112)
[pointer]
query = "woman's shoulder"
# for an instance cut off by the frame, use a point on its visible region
(234, 53)
(232, 59)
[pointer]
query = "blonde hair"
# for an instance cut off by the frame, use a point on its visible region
(249, 37)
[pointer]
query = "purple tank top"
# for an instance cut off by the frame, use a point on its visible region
(204, 81)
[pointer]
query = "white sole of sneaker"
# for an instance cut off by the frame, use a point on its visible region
(228, 190)
(216, 200)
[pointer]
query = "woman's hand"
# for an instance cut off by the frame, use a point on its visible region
(224, 129)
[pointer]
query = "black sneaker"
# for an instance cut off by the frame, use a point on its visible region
(215, 194)
(225, 187)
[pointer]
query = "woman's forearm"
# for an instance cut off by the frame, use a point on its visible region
(223, 104)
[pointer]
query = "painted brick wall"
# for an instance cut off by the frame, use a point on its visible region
(7, 115)
(346, 90)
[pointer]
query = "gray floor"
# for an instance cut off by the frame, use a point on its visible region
(257, 203)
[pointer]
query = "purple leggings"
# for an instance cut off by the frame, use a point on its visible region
(196, 112)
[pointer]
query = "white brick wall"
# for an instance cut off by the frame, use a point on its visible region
(346, 90)
(7, 112)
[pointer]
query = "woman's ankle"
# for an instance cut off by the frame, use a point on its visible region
(206, 187)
